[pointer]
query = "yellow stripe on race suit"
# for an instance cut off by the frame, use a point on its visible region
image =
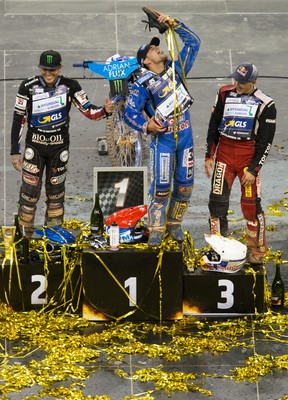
(170, 39)
(248, 189)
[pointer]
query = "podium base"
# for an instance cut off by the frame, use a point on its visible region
(33, 286)
(221, 294)
(132, 284)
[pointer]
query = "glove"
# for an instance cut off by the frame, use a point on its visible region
(17, 161)
(153, 22)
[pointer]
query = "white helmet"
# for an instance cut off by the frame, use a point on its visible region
(227, 255)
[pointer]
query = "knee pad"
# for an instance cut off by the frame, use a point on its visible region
(56, 197)
(182, 193)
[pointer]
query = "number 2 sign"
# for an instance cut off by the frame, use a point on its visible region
(120, 187)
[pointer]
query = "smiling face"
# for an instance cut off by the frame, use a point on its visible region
(50, 75)
(244, 88)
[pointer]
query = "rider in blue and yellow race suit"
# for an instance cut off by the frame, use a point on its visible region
(44, 101)
(158, 105)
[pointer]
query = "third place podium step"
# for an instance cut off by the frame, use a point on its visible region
(206, 292)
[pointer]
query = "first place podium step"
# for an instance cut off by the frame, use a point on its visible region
(133, 284)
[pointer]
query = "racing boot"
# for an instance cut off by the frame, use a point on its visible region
(54, 214)
(155, 236)
(218, 226)
(256, 240)
(175, 215)
(214, 224)
(26, 220)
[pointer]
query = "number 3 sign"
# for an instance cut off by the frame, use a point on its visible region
(120, 187)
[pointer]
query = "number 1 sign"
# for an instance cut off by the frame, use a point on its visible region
(120, 187)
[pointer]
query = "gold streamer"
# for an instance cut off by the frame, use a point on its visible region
(69, 355)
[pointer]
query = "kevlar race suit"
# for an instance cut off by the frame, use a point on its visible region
(46, 110)
(171, 152)
(240, 135)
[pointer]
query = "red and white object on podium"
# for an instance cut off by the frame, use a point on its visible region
(131, 227)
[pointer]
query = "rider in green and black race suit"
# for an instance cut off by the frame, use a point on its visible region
(44, 101)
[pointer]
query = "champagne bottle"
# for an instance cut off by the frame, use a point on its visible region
(18, 235)
(22, 248)
(278, 290)
(97, 219)
(24, 256)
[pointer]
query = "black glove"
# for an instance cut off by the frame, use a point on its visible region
(153, 22)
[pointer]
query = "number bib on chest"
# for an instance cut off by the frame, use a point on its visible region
(167, 99)
(49, 110)
(239, 117)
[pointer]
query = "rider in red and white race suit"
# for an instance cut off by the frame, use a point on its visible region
(171, 148)
(240, 135)
(44, 102)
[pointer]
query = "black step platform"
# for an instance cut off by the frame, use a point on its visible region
(218, 293)
(35, 286)
(132, 284)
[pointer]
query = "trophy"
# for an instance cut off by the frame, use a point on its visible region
(8, 233)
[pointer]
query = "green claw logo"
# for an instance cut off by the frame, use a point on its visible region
(49, 59)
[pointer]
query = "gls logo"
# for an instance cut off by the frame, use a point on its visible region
(236, 124)
(165, 91)
(50, 118)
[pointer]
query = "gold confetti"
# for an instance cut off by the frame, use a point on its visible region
(70, 349)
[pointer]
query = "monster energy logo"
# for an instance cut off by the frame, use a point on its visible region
(118, 86)
(49, 59)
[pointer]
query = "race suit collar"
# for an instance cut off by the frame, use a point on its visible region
(56, 83)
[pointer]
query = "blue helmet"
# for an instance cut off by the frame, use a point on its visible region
(57, 234)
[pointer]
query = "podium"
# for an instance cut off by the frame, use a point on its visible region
(132, 284)
(33, 286)
(215, 293)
